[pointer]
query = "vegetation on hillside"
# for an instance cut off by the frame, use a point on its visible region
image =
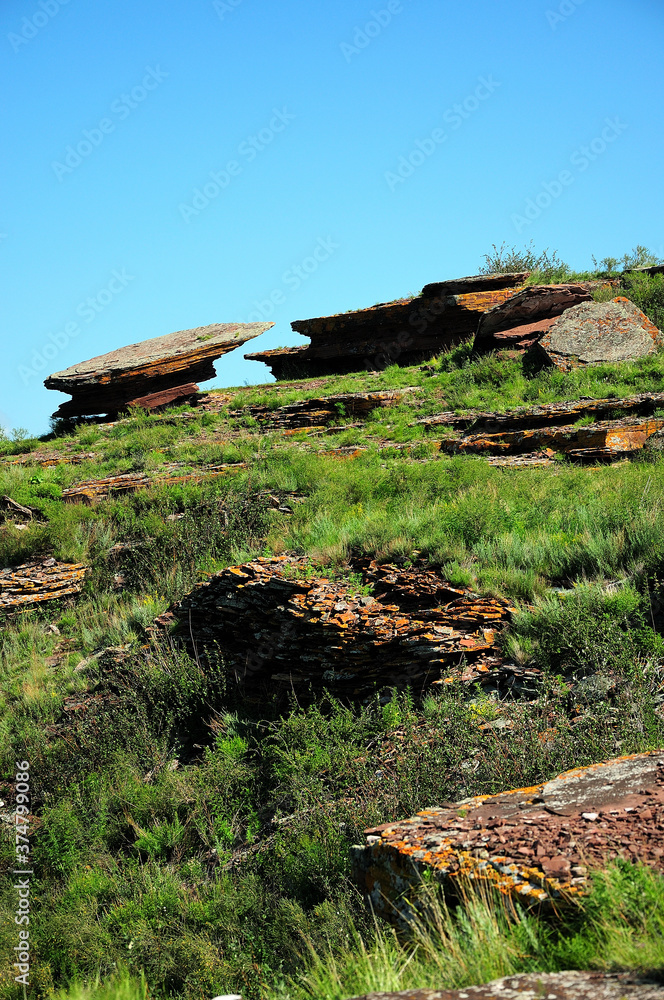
(188, 843)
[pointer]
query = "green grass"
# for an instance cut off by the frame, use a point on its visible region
(203, 842)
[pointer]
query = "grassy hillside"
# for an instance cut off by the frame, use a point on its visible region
(196, 840)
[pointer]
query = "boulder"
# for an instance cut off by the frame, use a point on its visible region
(520, 321)
(596, 332)
(552, 985)
(403, 332)
(536, 844)
(150, 374)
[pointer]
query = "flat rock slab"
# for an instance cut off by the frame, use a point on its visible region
(39, 581)
(535, 844)
(605, 439)
(283, 626)
(111, 382)
(545, 986)
(549, 414)
(596, 332)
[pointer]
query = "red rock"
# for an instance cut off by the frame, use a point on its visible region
(596, 332)
(405, 331)
(521, 320)
(547, 816)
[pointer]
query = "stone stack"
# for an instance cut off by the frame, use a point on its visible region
(279, 625)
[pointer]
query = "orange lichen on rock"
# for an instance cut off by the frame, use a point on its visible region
(536, 844)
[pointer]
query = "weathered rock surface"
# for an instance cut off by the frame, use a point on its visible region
(521, 418)
(405, 331)
(129, 482)
(279, 629)
(545, 986)
(39, 581)
(171, 364)
(535, 844)
(595, 332)
(609, 439)
(519, 322)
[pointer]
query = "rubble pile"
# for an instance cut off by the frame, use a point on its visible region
(406, 331)
(38, 581)
(129, 482)
(277, 625)
(535, 844)
(151, 374)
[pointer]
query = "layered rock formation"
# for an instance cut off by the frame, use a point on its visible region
(38, 581)
(323, 410)
(556, 428)
(153, 373)
(596, 332)
(405, 331)
(278, 627)
(550, 985)
(129, 482)
(521, 321)
(536, 844)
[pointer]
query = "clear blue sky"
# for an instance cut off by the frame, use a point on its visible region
(306, 119)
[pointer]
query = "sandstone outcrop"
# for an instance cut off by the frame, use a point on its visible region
(405, 331)
(38, 581)
(536, 844)
(571, 985)
(152, 373)
(519, 322)
(278, 627)
(596, 332)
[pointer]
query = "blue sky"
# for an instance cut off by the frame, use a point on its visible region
(345, 153)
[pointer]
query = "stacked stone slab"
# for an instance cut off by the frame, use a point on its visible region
(535, 844)
(152, 374)
(553, 429)
(405, 331)
(278, 627)
(39, 581)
